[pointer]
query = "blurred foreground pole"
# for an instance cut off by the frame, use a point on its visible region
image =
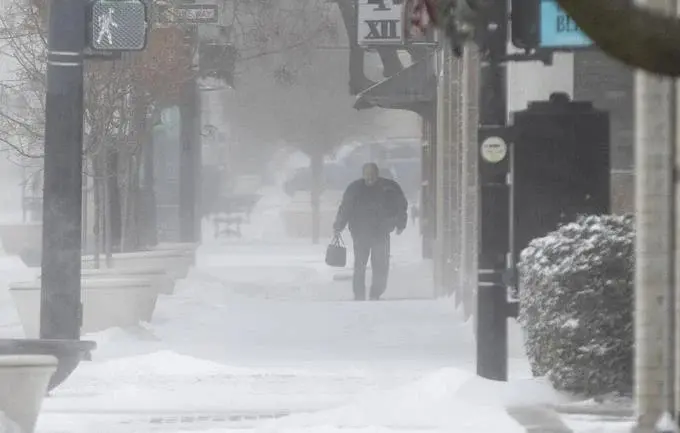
(654, 261)
(673, 304)
(61, 310)
(673, 309)
(190, 152)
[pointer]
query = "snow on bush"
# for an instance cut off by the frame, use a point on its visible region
(576, 305)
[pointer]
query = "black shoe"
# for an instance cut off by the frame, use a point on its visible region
(375, 298)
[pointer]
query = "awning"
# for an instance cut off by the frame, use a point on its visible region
(410, 89)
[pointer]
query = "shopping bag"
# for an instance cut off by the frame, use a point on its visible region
(336, 253)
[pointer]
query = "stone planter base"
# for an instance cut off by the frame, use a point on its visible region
(23, 385)
(69, 353)
(107, 303)
(175, 262)
(172, 246)
(160, 280)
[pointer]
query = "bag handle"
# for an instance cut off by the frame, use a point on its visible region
(337, 240)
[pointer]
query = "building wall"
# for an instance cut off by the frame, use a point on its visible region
(589, 76)
(610, 86)
(533, 81)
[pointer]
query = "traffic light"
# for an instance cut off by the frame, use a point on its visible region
(525, 22)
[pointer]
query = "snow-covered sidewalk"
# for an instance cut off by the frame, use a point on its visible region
(263, 336)
(257, 339)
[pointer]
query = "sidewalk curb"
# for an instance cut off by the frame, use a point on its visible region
(538, 419)
(596, 410)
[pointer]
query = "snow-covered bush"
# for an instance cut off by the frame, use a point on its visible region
(576, 305)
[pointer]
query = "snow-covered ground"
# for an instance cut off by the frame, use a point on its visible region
(263, 336)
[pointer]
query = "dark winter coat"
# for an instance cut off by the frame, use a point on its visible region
(372, 210)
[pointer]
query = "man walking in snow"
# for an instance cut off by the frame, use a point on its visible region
(372, 207)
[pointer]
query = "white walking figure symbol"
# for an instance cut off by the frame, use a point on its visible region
(105, 24)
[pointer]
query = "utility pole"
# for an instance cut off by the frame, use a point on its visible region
(494, 246)
(492, 311)
(190, 142)
(654, 261)
(61, 311)
(120, 25)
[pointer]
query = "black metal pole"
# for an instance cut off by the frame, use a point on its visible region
(61, 309)
(492, 312)
(492, 305)
(190, 141)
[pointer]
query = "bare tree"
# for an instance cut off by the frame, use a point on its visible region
(312, 112)
(22, 47)
(261, 28)
(120, 97)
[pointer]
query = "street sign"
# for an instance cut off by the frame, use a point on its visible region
(217, 61)
(380, 22)
(494, 149)
(558, 30)
(119, 25)
(189, 14)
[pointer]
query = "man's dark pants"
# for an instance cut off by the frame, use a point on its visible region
(378, 248)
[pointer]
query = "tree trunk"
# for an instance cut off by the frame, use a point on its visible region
(357, 78)
(148, 218)
(315, 194)
(113, 198)
(97, 226)
(131, 203)
(130, 163)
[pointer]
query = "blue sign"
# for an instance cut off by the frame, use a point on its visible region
(558, 30)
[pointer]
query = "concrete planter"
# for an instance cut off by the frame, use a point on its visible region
(69, 354)
(107, 303)
(175, 262)
(23, 240)
(23, 385)
(160, 280)
(189, 247)
(171, 246)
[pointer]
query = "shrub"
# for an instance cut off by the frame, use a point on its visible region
(576, 305)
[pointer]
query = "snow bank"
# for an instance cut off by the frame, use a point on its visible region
(162, 364)
(450, 399)
(166, 381)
